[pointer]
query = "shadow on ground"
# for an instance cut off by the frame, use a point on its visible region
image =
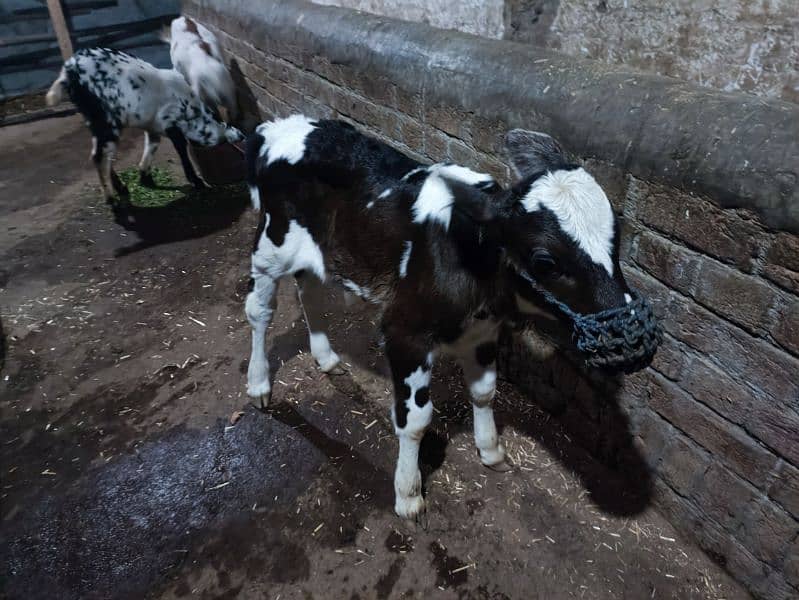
(196, 213)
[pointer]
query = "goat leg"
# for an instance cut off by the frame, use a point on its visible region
(181, 147)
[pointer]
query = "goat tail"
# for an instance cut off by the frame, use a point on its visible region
(252, 154)
(56, 92)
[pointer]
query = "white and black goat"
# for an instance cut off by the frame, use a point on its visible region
(440, 247)
(114, 90)
(195, 54)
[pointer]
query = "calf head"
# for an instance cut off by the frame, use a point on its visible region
(561, 237)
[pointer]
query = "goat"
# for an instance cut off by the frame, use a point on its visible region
(114, 90)
(195, 54)
(440, 247)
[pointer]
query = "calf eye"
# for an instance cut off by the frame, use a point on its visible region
(544, 266)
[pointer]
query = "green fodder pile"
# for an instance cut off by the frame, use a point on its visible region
(167, 190)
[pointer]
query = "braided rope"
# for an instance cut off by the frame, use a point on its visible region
(622, 339)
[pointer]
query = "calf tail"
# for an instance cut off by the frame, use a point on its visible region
(252, 154)
(56, 92)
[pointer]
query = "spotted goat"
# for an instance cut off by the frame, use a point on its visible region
(439, 247)
(113, 90)
(195, 54)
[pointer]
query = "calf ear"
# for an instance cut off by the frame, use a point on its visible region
(533, 152)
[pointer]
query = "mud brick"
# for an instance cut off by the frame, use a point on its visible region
(785, 488)
(363, 111)
(743, 299)
(436, 145)
(450, 120)
(630, 230)
(462, 154)
(768, 531)
(655, 206)
(671, 360)
(673, 265)
(612, 179)
(727, 441)
(411, 133)
(408, 102)
(791, 566)
(291, 97)
(777, 424)
(651, 436)
(712, 386)
(683, 465)
(378, 89)
(773, 587)
(782, 262)
(752, 361)
(786, 326)
(488, 135)
(728, 235)
(724, 497)
(495, 168)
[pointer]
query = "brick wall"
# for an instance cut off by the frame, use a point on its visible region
(716, 417)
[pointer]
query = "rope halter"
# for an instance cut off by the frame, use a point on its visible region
(622, 339)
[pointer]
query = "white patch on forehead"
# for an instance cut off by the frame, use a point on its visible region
(582, 209)
(385, 193)
(461, 174)
(434, 202)
(285, 139)
(406, 256)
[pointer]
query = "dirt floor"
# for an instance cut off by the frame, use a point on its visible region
(123, 475)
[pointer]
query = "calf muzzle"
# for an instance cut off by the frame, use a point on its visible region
(617, 340)
(621, 339)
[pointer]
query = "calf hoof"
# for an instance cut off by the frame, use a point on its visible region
(260, 395)
(330, 363)
(412, 508)
(495, 459)
(336, 370)
(502, 466)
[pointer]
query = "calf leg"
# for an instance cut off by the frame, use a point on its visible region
(311, 293)
(181, 147)
(480, 373)
(151, 141)
(259, 308)
(411, 367)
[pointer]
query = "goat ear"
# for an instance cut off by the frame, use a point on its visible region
(532, 152)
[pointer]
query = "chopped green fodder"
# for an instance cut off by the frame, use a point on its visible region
(167, 191)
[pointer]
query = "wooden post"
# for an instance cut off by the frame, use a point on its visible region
(60, 27)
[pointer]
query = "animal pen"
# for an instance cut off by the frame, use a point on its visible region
(644, 439)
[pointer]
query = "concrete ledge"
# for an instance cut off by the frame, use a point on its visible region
(741, 151)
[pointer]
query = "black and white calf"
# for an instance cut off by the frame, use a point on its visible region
(438, 247)
(114, 90)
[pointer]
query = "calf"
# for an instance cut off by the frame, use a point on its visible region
(114, 90)
(445, 252)
(195, 55)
